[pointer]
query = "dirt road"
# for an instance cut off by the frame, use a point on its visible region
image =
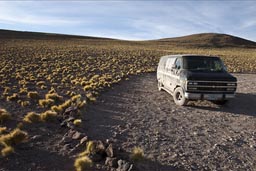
(200, 136)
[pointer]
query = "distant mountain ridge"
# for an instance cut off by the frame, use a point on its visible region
(13, 34)
(210, 40)
(195, 40)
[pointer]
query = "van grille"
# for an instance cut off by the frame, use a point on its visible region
(211, 86)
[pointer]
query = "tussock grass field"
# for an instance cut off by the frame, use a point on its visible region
(32, 68)
(41, 78)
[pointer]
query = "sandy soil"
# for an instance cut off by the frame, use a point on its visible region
(200, 136)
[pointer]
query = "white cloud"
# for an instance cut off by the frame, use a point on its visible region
(11, 13)
(131, 19)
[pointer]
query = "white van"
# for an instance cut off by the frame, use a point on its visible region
(195, 77)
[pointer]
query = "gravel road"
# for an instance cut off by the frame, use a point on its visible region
(200, 136)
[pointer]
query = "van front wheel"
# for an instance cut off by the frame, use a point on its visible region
(179, 97)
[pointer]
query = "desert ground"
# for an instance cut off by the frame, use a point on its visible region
(200, 136)
(85, 103)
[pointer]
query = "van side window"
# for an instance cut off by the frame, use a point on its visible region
(169, 64)
(178, 63)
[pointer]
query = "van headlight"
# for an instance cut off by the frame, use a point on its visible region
(231, 84)
(192, 83)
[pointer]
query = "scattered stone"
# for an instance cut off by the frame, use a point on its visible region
(100, 148)
(109, 151)
(194, 166)
(71, 132)
(76, 135)
(112, 162)
(70, 119)
(36, 137)
(124, 165)
(70, 125)
(83, 140)
(70, 109)
(66, 122)
(108, 141)
(240, 142)
(66, 147)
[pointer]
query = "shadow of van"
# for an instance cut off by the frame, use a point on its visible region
(242, 104)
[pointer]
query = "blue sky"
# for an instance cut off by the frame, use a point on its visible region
(131, 20)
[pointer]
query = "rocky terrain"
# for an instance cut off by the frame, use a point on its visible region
(200, 136)
(133, 113)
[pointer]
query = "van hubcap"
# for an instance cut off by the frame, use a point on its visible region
(179, 96)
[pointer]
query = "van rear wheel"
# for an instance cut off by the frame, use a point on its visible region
(179, 97)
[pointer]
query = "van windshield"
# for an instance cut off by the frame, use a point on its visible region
(201, 63)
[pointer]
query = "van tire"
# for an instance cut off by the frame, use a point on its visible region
(179, 97)
(159, 85)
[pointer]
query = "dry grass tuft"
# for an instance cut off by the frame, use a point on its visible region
(65, 105)
(12, 97)
(137, 154)
(45, 102)
(82, 163)
(7, 151)
(40, 83)
(91, 97)
(54, 96)
(77, 122)
(3, 130)
(15, 137)
(57, 109)
(6, 91)
(32, 117)
(76, 98)
(87, 87)
(24, 103)
(33, 95)
(4, 115)
(90, 148)
(23, 91)
(81, 104)
(48, 116)
(52, 91)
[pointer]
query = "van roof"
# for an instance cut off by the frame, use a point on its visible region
(184, 55)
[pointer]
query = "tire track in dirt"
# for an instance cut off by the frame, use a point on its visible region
(200, 136)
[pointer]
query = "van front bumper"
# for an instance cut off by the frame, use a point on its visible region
(205, 96)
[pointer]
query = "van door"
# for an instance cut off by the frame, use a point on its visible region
(168, 73)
